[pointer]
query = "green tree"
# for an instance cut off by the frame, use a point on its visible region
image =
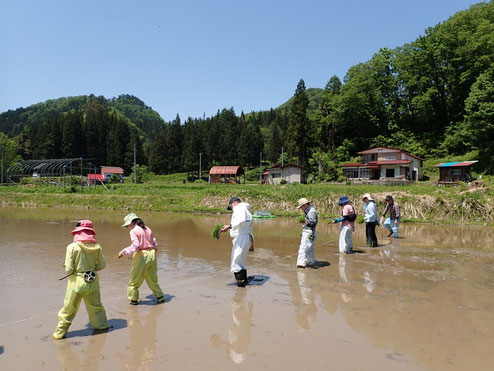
(8, 148)
(296, 134)
(274, 143)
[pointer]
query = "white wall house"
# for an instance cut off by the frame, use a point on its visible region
(290, 173)
(385, 163)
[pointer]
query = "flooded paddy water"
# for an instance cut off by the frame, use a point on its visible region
(421, 302)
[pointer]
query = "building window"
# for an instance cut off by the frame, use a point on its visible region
(276, 175)
(352, 173)
(455, 172)
(389, 157)
(390, 173)
(365, 173)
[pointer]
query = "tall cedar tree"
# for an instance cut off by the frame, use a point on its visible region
(298, 124)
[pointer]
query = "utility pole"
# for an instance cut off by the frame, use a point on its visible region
(135, 167)
(2, 165)
(282, 162)
(200, 164)
(260, 167)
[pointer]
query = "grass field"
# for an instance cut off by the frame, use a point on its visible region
(421, 202)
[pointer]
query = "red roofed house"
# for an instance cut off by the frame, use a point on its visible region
(385, 163)
(225, 174)
(109, 171)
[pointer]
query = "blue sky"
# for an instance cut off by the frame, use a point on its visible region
(195, 57)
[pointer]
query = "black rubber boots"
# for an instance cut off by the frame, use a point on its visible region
(241, 277)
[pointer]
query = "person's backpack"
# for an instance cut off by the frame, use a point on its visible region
(352, 217)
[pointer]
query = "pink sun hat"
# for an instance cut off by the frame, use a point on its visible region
(84, 231)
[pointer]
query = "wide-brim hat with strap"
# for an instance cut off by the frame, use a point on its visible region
(83, 225)
(368, 196)
(303, 201)
(343, 200)
(128, 219)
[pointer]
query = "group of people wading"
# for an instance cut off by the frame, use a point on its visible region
(347, 227)
(84, 256)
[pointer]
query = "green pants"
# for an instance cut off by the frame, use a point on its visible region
(78, 289)
(144, 267)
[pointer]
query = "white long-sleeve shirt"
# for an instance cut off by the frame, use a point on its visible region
(370, 209)
(241, 220)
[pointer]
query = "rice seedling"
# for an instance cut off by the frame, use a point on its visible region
(215, 233)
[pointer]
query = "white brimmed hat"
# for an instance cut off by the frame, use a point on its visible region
(368, 196)
(302, 202)
(128, 219)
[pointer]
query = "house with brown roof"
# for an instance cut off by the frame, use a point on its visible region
(385, 163)
(455, 172)
(225, 174)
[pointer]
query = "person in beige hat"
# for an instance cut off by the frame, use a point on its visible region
(144, 264)
(371, 220)
(306, 250)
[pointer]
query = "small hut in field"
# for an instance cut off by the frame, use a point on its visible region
(454, 172)
(225, 174)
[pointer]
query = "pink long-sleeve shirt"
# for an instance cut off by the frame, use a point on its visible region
(142, 239)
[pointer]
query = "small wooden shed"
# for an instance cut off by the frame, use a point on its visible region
(225, 174)
(454, 172)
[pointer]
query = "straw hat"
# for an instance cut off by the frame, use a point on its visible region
(128, 219)
(84, 225)
(302, 202)
(368, 196)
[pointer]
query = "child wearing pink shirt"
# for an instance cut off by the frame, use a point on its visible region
(144, 265)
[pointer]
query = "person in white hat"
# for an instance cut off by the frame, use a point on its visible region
(371, 220)
(144, 264)
(306, 250)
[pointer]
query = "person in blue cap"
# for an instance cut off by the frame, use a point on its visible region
(347, 220)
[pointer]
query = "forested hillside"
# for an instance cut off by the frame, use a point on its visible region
(433, 97)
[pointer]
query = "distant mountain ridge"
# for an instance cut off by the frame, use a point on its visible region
(12, 122)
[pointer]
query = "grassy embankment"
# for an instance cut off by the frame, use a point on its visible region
(421, 202)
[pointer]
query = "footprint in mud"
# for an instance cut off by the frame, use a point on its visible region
(395, 357)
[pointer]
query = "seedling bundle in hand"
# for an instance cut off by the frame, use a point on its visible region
(215, 233)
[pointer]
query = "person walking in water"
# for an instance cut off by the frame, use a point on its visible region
(242, 236)
(347, 221)
(392, 222)
(144, 265)
(371, 219)
(306, 250)
(83, 258)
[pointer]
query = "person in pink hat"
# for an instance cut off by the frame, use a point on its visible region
(83, 258)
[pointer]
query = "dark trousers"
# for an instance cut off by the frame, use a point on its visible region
(370, 233)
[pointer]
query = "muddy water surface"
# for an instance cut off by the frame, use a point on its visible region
(425, 301)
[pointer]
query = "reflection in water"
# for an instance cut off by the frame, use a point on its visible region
(369, 283)
(345, 295)
(305, 310)
(72, 358)
(239, 335)
(342, 267)
(142, 327)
